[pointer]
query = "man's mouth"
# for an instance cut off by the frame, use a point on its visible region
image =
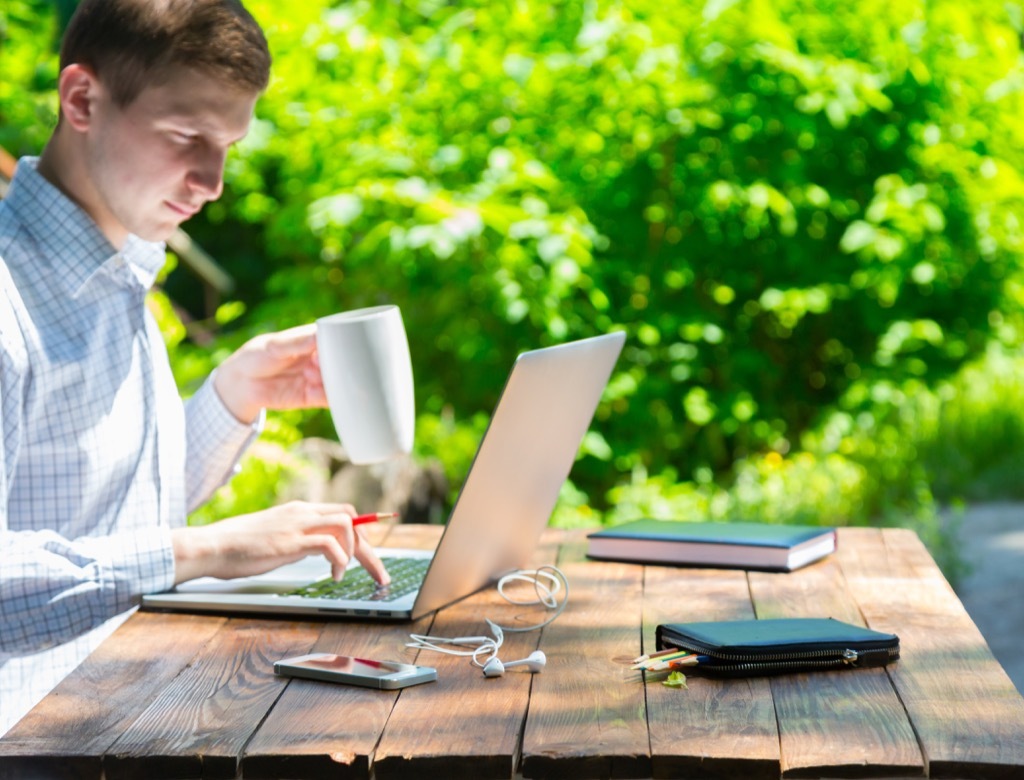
(182, 209)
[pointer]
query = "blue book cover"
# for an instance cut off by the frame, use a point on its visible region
(744, 545)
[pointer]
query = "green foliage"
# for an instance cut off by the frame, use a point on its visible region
(266, 467)
(803, 213)
(907, 449)
(28, 64)
(675, 680)
(779, 202)
(963, 438)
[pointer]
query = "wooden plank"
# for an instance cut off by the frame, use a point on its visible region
(66, 735)
(319, 729)
(323, 730)
(466, 726)
(587, 713)
(587, 710)
(142, 656)
(712, 728)
(847, 723)
(198, 725)
(968, 716)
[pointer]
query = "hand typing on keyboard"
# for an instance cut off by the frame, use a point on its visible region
(358, 585)
(258, 542)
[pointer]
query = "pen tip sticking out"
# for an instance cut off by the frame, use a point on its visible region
(373, 517)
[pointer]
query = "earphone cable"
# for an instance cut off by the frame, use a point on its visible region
(548, 582)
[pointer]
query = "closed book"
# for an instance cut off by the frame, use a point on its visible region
(727, 545)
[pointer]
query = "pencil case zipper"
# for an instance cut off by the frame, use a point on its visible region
(804, 659)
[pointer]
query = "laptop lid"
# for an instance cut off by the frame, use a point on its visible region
(505, 503)
(523, 460)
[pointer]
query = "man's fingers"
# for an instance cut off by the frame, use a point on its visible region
(299, 331)
(328, 545)
(367, 556)
(333, 521)
(326, 509)
(328, 528)
(294, 342)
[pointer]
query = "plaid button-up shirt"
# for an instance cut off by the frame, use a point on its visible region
(99, 458)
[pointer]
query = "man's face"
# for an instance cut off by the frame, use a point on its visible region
(154, 163)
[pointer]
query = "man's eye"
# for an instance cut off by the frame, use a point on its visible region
(185, 139)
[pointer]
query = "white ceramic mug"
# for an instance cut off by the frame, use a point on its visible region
(367, 373)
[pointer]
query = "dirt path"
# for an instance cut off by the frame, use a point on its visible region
(993, 544)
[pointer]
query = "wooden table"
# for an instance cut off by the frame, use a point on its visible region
(176, 696)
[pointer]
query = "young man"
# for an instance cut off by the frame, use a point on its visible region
(99, 460)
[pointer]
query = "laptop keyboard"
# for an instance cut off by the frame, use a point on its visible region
(406, 576)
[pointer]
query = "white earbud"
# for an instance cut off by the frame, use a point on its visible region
(547, 582)
(533, 663)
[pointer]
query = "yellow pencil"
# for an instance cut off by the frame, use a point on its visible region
(647, 657)
(655, 661)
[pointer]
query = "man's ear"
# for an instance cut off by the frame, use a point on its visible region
(78, 89)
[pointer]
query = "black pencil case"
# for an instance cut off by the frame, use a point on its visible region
(745, 648)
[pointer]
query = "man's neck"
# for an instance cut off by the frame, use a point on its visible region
(64, 167)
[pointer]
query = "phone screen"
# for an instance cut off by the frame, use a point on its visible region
(363, 667)
(355, 671)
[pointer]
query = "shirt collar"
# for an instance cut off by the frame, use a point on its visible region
(145, 258)
(71, 244)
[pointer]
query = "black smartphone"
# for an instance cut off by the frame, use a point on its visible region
(387, 675)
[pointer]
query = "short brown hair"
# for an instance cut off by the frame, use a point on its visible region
(131, 44)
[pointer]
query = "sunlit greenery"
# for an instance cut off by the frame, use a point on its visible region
(803, 213)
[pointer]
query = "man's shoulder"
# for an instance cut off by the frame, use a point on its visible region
(10, 230)
(9, 245)
(25, 215)
(11, 341)
(19, 246)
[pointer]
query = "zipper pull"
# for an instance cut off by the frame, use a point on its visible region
(877, 657)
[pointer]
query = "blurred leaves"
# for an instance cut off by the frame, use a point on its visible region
(788, 206)
(775, 200)
(28, 75)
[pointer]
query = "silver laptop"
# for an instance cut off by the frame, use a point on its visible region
(524, 458)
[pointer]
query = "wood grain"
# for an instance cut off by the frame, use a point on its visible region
(587, 711)
(198, 724)
(968, 717)
(320, 729)
(466, 726)
(847, 723)
(188, 696)
(713, 728)
(324, 730)
(67, 734)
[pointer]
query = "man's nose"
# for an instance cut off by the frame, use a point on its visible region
(206, 176)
